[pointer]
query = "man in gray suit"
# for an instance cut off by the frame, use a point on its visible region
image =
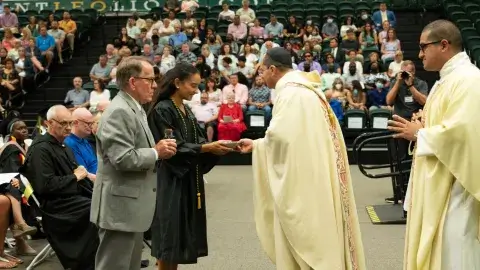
(123, 201)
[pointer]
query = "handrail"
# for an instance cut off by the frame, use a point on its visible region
(367, 138)
(396, 165)
(362, 167)
(363, 137)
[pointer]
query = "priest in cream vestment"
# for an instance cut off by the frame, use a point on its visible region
(443, 196)
(305, 210)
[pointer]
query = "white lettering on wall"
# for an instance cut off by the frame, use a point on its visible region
(147, 5)
(118, 7)
(41, 5)
(133, 8)
(23, 7)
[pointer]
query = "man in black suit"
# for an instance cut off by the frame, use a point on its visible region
(338, 54)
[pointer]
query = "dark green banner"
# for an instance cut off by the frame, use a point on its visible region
(105, 5)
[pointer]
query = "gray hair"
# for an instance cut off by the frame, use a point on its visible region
(131, 66)
(52, 112)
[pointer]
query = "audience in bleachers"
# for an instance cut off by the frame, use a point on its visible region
(356, 56)
(230, 119)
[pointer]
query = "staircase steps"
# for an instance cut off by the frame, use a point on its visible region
(409, 28)
(61, 77)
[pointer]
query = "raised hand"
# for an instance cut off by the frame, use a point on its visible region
(405, 129)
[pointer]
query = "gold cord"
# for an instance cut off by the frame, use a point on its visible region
(199, 195)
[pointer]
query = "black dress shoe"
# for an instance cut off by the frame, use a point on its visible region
(144, 263)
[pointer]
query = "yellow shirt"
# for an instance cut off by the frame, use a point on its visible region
(68, 26)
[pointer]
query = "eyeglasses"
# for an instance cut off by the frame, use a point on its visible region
(64, 123)
(89, 124)
(152, 80)
(424, 46)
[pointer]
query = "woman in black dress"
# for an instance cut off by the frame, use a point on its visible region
(179, 229)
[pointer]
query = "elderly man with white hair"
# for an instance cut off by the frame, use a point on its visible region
(64, 190)
(78, 141)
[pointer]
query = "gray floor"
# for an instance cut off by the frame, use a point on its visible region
(232, 237)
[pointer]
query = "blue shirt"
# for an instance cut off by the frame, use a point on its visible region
(83, 151)
(177, 39)
(337, 109)
(378, 98)
(45, 42)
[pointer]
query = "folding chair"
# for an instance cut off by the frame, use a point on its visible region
(47, 251)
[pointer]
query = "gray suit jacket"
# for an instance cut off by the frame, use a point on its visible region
(124, 193)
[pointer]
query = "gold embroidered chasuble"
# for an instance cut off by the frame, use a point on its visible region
(305, 211)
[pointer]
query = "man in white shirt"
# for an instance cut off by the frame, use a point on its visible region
(240, 91)
(132, 30)
(206, 114)
(245, 68)
(226, 14)
(247, 15)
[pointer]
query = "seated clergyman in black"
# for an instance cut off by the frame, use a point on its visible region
(64, 193)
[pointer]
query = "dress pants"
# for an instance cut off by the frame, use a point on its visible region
(119, 250)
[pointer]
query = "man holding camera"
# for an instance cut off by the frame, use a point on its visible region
(407, 94)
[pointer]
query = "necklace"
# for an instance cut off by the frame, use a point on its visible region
(199, 195)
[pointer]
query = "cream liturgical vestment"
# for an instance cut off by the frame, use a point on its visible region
(305, 210)
(444, 189)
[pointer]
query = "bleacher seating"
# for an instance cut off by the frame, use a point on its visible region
(466, 15)
(463, 13)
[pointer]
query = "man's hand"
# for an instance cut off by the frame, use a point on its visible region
(15, 183)
(398, 78)
(80, 172)
(245, 146)
(404, 128)
(217, 148)
(92, 177)
(409, 80)
(166, 148)
(417, 116)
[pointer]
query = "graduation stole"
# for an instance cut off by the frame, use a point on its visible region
(21, 156)
(13, 141)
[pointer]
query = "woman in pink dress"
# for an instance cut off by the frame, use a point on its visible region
(230, 120)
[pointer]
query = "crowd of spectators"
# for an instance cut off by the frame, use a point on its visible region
(27, 51)
(359, 58)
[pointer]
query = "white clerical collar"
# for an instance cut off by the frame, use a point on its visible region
(459, 59)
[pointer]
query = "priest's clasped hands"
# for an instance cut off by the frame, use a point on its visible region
(405, 129)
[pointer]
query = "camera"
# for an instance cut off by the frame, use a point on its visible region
(405, 75)
(306, 67)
